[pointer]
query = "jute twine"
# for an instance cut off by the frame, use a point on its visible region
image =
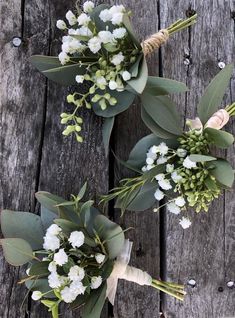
(155, 41)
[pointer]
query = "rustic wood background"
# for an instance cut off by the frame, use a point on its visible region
(34, 155)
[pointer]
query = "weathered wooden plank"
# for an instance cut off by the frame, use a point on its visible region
(21, 128)
(203, 252)
(66, 164)
(133, 300)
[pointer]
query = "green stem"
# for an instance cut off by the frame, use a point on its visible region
(181, 24)
(165, 290)
(231, 109)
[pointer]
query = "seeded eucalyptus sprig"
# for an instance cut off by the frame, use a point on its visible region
(179, 166)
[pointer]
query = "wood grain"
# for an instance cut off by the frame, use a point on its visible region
(203, 252)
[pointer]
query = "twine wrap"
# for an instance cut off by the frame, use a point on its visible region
(155, 41)
(122, 270)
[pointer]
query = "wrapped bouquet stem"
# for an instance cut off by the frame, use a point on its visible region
(103, 58)
(178, 166)
(74, 255)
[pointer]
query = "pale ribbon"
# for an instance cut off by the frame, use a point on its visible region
(122, 270)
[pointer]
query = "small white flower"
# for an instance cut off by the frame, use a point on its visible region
(54, 280)
(96, 281)
(149, 167)
(77, 288)
(119, 33)
(144, 169)
(76, 239)
(169, 168)
(88, 6)
(149, 161)
(79, 79)
(160, 176)
(84, 31)
(64, 58)
(105, 15)
(126, 76)
(99, 258)
(176, 177)
(60, 258)
(159, 195)
(51, 242)
(181, 152)
(76, 273)
(117, 9)
(94, 44)
(101, 81)
(173, 208)
(105, 36)
(117, 59)
(52, 267)
(185, 223)
(162, 148)
(151, 155)
(71, 17)
(54, 229)
(67, 295)
(83, 19)
(61, 25)
(67, 38)
(27, 271)
(165, 184)
(187, 163)
(180, 201)
(161, 160)
(154, 149)
(36, 295)
(113, 85)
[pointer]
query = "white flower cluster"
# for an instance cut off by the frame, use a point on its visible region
(111, 71)
(69, 285)
(161, 154)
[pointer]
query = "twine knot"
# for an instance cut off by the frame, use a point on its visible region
(155, 41)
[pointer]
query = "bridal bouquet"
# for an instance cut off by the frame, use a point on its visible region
(73, 254)
(103, 58)
(180, 167)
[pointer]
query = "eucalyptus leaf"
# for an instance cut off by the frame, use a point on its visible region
(124, 100)
(106, 132)
(95, 303)
(134, 69)
(137, 157)
(139, 83)
(47, 217)
(82, 191)
(24, 225)
(201, 158)
(150, 174)
(154, 127)
(145, 198)
(49, 201)
(222, 171)
(39, 269)
(163, 111)
(214, 93)
(128, 26)
(111, 233)
(67, 226)
(16, 251)
(211, 184)
(100, 25)
(43, 63)
(163, 86)
(220, 138)
(110, 47)
(40, 284)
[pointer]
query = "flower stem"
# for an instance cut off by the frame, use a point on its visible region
(231, 109)
(181, 24)
(171, 289)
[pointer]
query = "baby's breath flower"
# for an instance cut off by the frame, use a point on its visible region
(76, 273)
(161, 160)
(94, 44)
(77, 288)
(180, 201)
(189, 164)
(169, 168)
(83, 19)
(77, 239)
(165, 184)
(176, 177)
(181, 152)
(99, 258)
(61, 25)
(119, 33)
(185, 223)
(117, 59)
(173, 208)
(160, 176)
(54, 280)
(105, 15)
(52, 267)
(51, 242)
(60, 258)
(79, 79)
(96, 281)
(163, 148)
(36, 295)
(54, 229)
(71, 17)
(88, 6)
(159, 195)
(67, 295)
(126, 76)
(113, 85)
(64, 58)
(149, 161)
(105, 36)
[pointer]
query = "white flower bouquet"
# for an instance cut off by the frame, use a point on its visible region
(179, 166)
(74, 255)
(102, 56)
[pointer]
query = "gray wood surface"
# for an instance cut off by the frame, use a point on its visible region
(34, 155)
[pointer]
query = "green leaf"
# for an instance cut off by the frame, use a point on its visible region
(47, 217)
(150, 174)
(43, 63)
(107, 269)
(214, 93)
(139, 83)
(110, 47)
(201, 158)
(49, 201)
(163, 111)
(220, 138)
(39, 269)
(106, 132)
(124, 100)
(99, 24)
(67, 226)
(163, 86)
(211, 184)
(112, 233)
(154, 127)
(137, 155)
(24, 225)
(222, 171)
(128, 26)
(16, 251)
(134, 69)
(40, 284)
(82, 191)
(95, 303)
(145, 198)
